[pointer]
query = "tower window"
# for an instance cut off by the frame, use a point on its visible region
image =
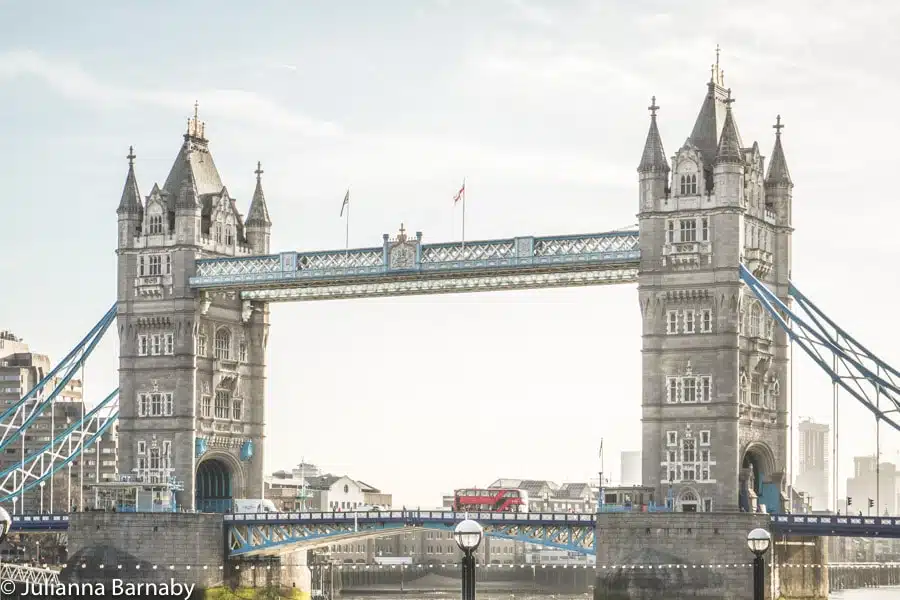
(754, 390)
(704, 229)
(223, 344)
(154, 225)
(672, 322)
(671, 438)
(693, 184)
(141, 447)
(688, 230)
(206, 407)
(670, 232)
(705, 388)
(223, 404)
(689, 321)
(201, 344)
(689, 390)
(704, 439)
(229, 236)
(706, 321)
(242, 351)
(155, 265)
(237, 406)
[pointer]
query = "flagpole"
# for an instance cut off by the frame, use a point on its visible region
(347, 233)
(464, 214)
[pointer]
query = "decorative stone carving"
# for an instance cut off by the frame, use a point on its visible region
(402, 253)
(246, 310)
(205, 302)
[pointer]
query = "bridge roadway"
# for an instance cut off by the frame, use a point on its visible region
(271, 533)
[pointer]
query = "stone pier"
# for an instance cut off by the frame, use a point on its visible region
(802, 574)
(187, 548)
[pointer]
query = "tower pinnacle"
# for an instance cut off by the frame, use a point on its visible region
(778, 169)
(653, 157)
(130, 204)
(258, 215)
(729, 150)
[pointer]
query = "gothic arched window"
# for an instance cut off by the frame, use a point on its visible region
(693, 184)
(684, 184)
(754, 320)
(223, 344)
(745, 389)
(154, 220)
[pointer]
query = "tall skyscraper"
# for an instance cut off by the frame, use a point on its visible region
(631, 467)
(813, 476)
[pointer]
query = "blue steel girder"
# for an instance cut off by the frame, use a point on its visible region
(275, 533)
(405, 266)
(870, 380)
(277, 538)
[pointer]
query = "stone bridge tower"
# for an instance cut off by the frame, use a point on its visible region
(715, 366)
(191, 367)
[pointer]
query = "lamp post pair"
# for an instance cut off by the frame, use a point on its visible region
(468, 536)
(759, 541)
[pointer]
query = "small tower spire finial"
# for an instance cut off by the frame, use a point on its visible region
(259, 170)
(131, 156)
(778, 126)
(197, 105)
(653, 107)
(718, 49)
(728, 99)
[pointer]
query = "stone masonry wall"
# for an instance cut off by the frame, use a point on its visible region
(144, 540)
(691, 539)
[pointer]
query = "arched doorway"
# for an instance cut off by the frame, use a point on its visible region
(758, 488)
(213, 489)
(688, 501)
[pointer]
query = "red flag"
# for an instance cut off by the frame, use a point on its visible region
(461, 193)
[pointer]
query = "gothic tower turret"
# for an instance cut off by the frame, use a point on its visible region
(728, 172)
(653, 169)
(778, 180)
(131, 210)
(715, 369)
(258, 225)
(191, 365)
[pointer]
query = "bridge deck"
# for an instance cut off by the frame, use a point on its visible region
(406, 266)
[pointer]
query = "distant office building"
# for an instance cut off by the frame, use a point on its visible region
(864, 485)
(631, 467)
(813, 476)
(68, 489)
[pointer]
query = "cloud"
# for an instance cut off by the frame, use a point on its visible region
(74, 83)
(532, 13)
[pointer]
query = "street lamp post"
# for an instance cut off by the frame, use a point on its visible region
(759, 541)
(468, 536)
(5, 524)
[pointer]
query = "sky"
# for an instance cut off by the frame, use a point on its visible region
(540, 106)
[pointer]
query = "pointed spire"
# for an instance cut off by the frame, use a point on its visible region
(131, 197)
(654, 157)
(729, 150)
(258, 214)
(187, 194)
(778, 169)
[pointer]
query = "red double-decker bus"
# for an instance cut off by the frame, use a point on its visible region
(490, 500)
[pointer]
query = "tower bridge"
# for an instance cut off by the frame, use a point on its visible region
(711, 257)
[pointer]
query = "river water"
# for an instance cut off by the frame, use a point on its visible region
(892, 593)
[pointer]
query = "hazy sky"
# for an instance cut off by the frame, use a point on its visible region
(541, 106)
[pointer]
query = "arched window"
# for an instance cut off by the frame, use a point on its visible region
(223, 344)
(693, 184)
(154, 220)
(683, 185)
(745, 389)
(754, 320)
(218, 233)
(229, 235)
